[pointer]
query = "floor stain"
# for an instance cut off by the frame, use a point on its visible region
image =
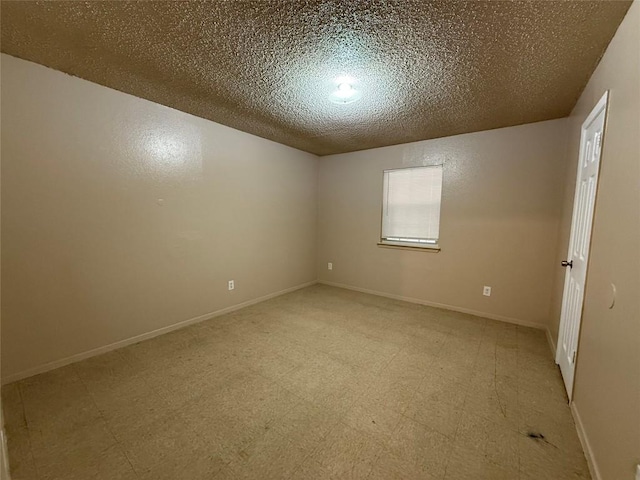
(539, 436)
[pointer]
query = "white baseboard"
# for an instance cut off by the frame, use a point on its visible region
(552, 343)
(4, 458)
(4, 455)
(586, 446)
(144, 336)
(517, 321)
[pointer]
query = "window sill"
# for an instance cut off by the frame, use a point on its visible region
(410, 246)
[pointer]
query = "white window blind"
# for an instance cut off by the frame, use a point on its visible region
(411, 205)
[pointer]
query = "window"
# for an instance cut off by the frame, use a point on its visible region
(411, 207)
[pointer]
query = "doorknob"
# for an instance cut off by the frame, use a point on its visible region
(567, 264)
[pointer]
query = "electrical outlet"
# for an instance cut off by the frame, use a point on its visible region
(232, 285)
(486, 291)
(329, 266)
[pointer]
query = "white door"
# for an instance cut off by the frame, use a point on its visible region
(578, 256)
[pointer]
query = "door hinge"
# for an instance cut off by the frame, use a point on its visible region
(573, 357)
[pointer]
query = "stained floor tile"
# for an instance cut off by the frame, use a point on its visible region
(321, 383)
(471, 465)
(420, 447)
(348, 453)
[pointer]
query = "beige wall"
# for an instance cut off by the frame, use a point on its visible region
(500, 211)
(607, 383)
(90, 257)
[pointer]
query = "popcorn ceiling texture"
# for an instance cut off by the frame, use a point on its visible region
(427, 69)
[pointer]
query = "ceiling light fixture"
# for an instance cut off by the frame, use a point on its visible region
(344, 93)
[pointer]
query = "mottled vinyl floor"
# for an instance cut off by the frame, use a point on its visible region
(322, 383)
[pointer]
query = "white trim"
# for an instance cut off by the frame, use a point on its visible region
(425, 247)
(4, 455)
(144, 336)
(516, 321)
(552, 344)
(586, 446)
(4, 461)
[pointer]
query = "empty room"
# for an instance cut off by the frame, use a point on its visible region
(320, 240)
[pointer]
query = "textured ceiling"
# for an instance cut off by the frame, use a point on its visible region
(426, 69)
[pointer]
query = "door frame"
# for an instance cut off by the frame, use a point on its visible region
(602, 104)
